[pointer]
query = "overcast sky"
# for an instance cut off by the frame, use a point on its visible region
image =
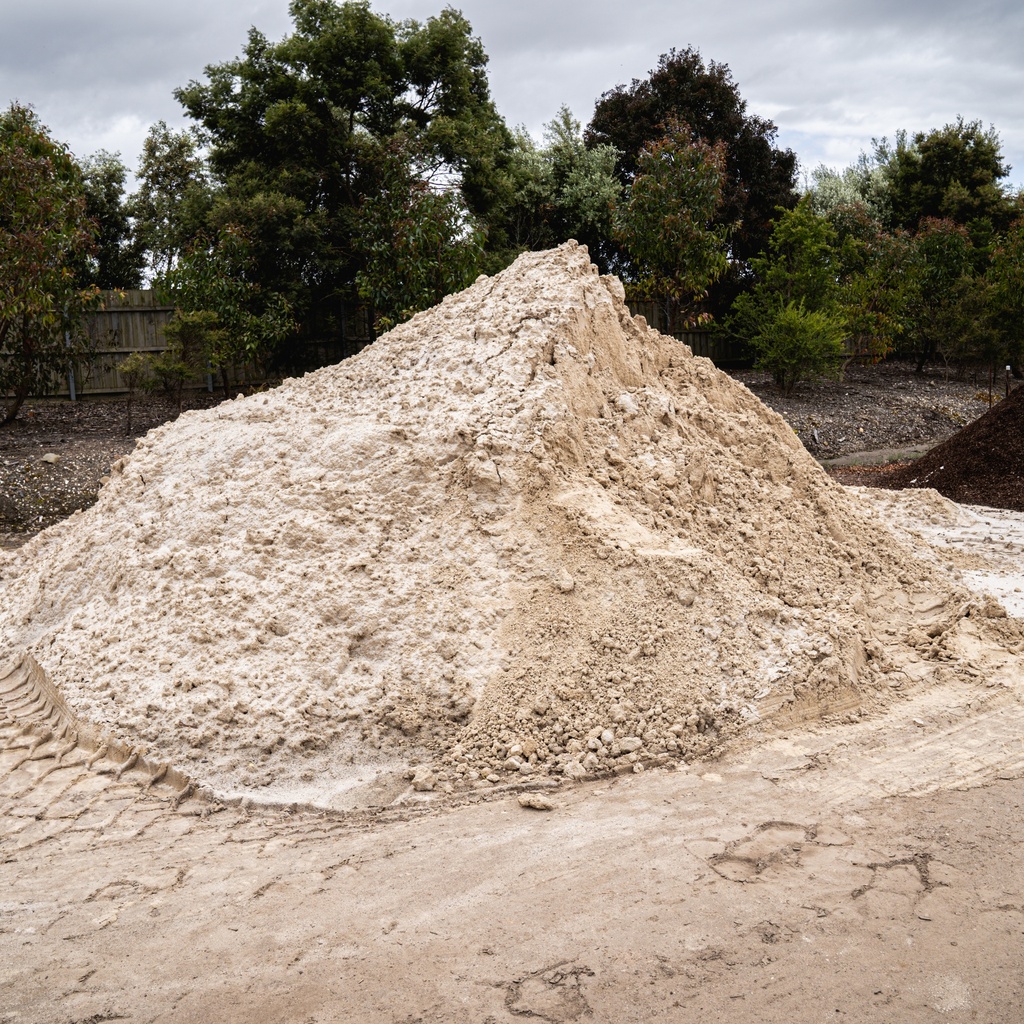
(830, 75)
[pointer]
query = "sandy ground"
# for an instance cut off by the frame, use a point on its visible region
(863, 872)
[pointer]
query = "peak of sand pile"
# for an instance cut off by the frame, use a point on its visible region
(521, 533)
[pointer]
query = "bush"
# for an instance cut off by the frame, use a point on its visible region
(794, 343)
(134, 370)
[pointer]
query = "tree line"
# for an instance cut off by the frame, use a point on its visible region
(360, 159)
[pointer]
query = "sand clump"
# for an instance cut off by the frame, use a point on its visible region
(520, 535)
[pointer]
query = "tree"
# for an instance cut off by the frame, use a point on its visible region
(759, 176)
(862, 184)
(134, 370)
(794, 343)
(877, 273)
(242, 323)
(173, 199)
(45, 235)
(297, 131)
(951, 173)
(117, 259)
(951, 314)
(420, 242)
(553, 192)
(1006, 276)
(666, 225)
(793, 318)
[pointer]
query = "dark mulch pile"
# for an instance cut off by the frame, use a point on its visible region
(983, 464)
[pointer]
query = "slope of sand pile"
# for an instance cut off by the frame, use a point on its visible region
(522, 533)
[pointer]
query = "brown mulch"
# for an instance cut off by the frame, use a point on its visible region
(983, 464)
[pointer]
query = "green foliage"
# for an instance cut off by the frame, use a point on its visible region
(801, 264)
(794, 343)
(862, 185)
(420, 243)
(214, 277)
(117, 259)
(666, 225)
(299, 134)
(878, 280)
(951, 316)
(759, 177)
(794, 318)
(190, 338)
(950, 173)
(1006, 277)
(553, 192)
(45, 235)
(173, 199)
(134, 370)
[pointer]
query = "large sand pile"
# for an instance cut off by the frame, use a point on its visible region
(522, 533)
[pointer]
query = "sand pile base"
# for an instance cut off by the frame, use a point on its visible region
(520, 535)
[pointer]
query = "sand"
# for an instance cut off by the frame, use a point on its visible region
(521, 536)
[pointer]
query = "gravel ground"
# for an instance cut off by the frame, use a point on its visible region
(54, 456)
(875, 408)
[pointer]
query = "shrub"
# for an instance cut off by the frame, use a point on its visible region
(794, 343)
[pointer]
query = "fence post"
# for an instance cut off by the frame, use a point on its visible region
(71, 369)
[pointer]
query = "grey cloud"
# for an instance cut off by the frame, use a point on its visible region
(830, 75)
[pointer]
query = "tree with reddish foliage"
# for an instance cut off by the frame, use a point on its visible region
(759, 177)
(45, 235)
(666, 224)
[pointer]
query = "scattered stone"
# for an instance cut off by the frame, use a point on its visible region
(535, 802)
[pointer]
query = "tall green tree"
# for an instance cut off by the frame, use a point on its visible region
(952, 315)
(667, 223)
(555, 191)
(1006, 276)
(877, 273)
(45, 236)
(117, 260)
(420, 242)
(794, 318)
(297, 130)
(951, 173)
(174, 196)
(760, 177)
(211, 283)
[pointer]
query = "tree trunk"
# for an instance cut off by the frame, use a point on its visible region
(20, 394)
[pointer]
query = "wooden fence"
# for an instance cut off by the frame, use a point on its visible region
(721, 350)
(128, 321)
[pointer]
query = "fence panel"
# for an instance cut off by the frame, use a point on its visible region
(720, 349)
(129, 321)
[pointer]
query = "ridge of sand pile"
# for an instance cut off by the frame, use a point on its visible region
(520, 533)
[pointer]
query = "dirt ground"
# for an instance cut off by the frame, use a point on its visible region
(868, 871)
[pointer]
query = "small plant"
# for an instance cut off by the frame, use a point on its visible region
(190, 339)
(795, 344)
(134, 370)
